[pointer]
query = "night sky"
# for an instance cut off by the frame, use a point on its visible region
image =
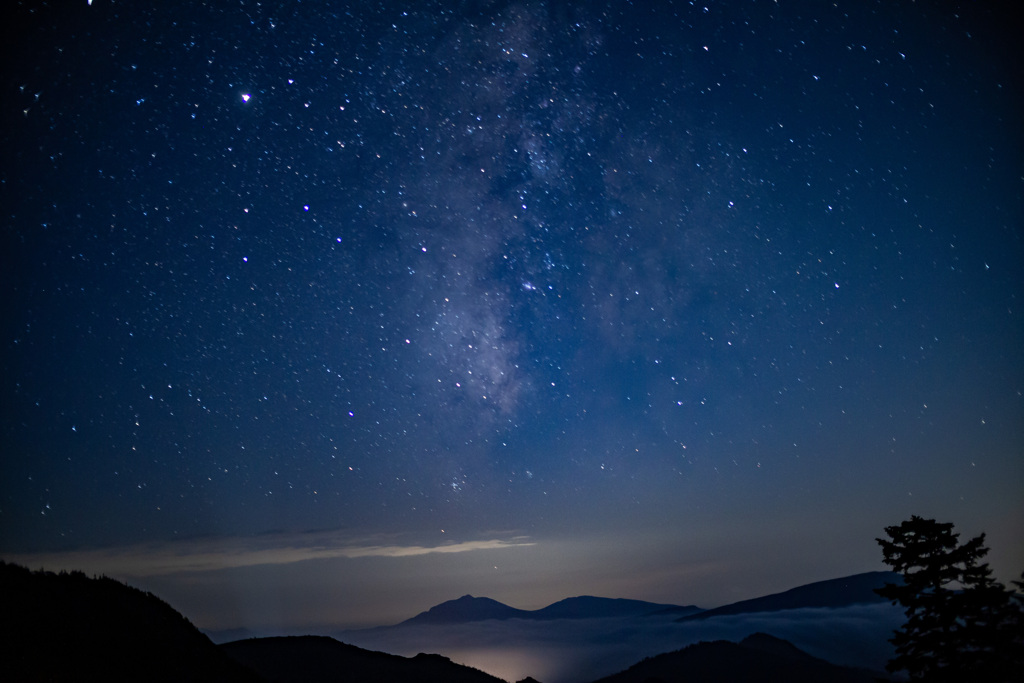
(324, 313)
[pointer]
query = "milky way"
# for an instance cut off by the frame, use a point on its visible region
(510, 270)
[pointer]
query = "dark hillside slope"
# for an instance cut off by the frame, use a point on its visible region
(758, 658)
(318, 659)
(68, 627)
(849, 590)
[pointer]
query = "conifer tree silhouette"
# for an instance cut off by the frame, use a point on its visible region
(962, 625)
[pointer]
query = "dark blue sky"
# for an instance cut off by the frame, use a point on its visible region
(617, 295)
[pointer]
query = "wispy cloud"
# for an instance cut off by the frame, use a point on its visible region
(202, 555)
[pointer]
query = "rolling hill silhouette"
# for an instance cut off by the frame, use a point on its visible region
(758, 658)
(68, 627)
(469, 609)
(849, 590)
(588, 607)
(316, 659)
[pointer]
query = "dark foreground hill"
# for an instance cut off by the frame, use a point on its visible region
(758, 658)
(68, 627)
(312, 659)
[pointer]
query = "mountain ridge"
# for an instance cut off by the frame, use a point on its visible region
(840, 621)
(468, 608)
(839, 592)
(321, 659)
(758, 658)
(102, 628)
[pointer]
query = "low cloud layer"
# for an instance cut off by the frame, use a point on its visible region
(204, 555)
(572, 651)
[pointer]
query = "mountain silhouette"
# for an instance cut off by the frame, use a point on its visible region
(588, 607)
(852, 630)
(758, 658)
(68, 627)
(468, 609)
(849, 590)
(316, 659)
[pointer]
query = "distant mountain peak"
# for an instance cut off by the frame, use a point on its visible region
(465, 609)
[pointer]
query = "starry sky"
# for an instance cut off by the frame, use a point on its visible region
(326, 312)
